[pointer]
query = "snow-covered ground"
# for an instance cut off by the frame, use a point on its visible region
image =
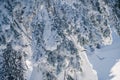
(106, 60)
(115, 71)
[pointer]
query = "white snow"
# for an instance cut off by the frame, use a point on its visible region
(105, 58)
(49, 38)
(30, 69)
(87, 70)
(115, 71)
(36, 75)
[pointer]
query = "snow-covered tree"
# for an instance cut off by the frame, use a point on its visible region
(11, 67)
(55, 33)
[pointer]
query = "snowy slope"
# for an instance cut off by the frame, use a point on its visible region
(105, 58)
(46, 39)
